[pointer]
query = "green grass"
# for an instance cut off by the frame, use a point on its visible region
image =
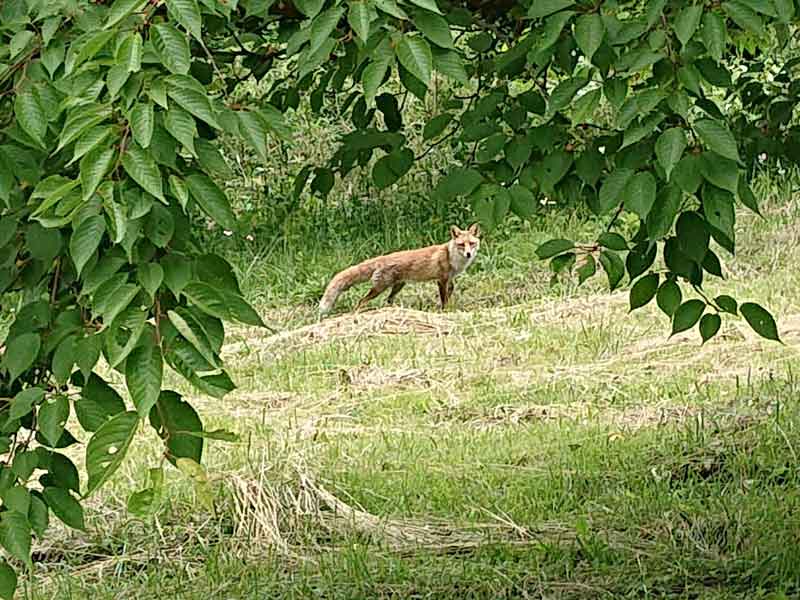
(531, 441)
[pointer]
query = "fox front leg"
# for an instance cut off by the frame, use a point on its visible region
(445, 290)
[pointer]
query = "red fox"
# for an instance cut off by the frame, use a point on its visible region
(442, 263)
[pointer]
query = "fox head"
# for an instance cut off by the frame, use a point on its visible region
(466, 242)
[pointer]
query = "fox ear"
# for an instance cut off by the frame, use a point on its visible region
(455, 231)
(475, 229)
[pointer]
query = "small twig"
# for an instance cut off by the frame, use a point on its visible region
(615, 217)
(56, 278)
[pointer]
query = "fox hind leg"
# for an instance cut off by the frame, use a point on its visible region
(395, 290)
(374, 292)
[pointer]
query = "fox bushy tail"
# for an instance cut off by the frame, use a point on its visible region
(343, 281)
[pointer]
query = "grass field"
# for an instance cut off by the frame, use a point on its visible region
(530, 442)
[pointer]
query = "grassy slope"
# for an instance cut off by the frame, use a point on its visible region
(530, 442)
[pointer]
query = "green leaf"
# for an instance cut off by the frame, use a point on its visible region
(727, 304)
(90, 140)
(643, 291)
(113, 297)
(613, 188)
(181, 126)
(718, 208)
(15, 535)
(179, 190)
(693, 235)
(458, 182)
(372, 78)
(172, 47)
(107, 447)
(23, 402)
(53, 56)
(85, 240)
(586, 269)
(129, 53)
(187, 13)
(563, 94)
(143, 375)
(322, 27)
(30, 114)
(254, 132)
(518, 151)
(139, 164)
(414, 54)
(390, 8)
(612, 241)
(721, 172)
(436, 126)
(427, 5)
(121, 9)
(20, 41)
(52, 417)
(94, 167)
(543, 8)
(640, 258)
(195, 103)
(553, 248)
(553, 169)
(669, 297)
(64, 506)
(760, 320)
(669, 148)
(613, 266)
(85, 49)
(52, 189)
(709, 326)
(640, 194)
(17, 499)
(714, 34)
(450, 64)
(687, 174)
(8, 581)
(97, 404)
(523, 202)
(718, 138)
(212, 200)
(88, 349)
(63, 472)
(744, 17)
(222, 304)
(392, 167)
(359, 17)
(309, 8)
(194, 334)
(179, 425)
(80, 120)
(589, 33)
(664, 211)
(785, 10)
(687, 315)
(747, 197)
(116, 77)
(150, 276)
(141, 122)
(434, 27)
(687, 21)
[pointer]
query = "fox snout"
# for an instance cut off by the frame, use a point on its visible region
(468, 254)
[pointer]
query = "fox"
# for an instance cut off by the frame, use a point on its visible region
(441, 263)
